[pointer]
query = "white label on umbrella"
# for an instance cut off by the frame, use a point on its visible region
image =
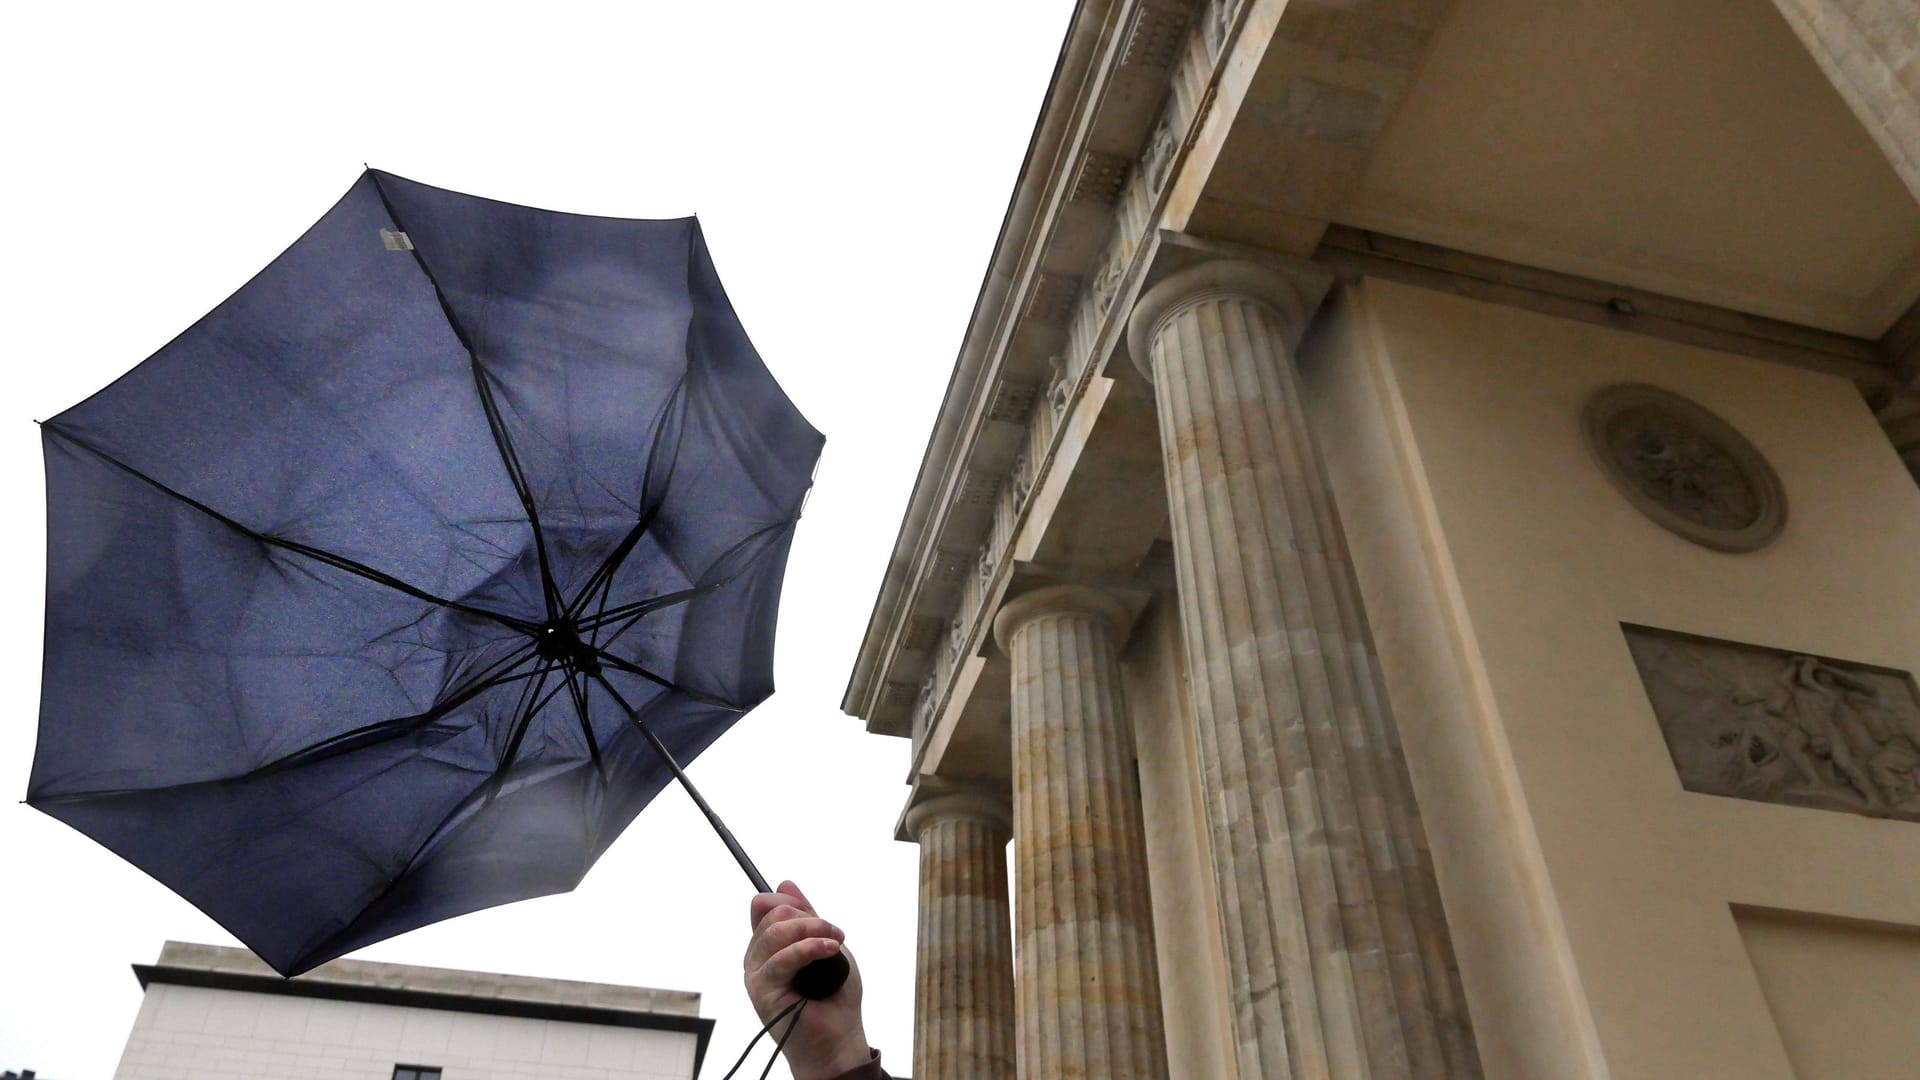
(396, 240)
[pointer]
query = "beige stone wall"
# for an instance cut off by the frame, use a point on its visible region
(1186, 928)
(1813, 972)
(1591, 898)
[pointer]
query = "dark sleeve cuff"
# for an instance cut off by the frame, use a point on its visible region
(870, 1071)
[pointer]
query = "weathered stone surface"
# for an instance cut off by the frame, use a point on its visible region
(1087, 983)
(1870, 49)
(963, 992)
(1338, 955)
(1774, 726)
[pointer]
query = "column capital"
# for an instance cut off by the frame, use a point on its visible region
(967, 802)
(1292, 290)
(1058, 599)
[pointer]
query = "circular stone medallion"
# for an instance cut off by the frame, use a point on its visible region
(1685, 468)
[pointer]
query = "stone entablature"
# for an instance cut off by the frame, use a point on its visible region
(1050, 332)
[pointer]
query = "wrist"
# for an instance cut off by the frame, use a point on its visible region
(849, 1053)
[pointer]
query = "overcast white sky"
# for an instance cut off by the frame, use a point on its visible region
(850, 161)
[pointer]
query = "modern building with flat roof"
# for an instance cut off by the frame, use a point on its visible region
(219, 1012)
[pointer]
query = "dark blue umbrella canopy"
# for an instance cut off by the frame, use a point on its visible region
(357, 589)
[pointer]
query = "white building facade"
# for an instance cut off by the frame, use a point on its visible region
(213, 1012)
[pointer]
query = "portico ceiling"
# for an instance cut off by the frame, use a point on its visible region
(1687, 148)
(1692, 149)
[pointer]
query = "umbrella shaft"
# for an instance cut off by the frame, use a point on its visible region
(713, 819)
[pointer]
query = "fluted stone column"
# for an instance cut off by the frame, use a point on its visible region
(1338, 957)
(1087, 986)
(963, 986)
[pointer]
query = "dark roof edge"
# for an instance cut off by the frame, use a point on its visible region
(429, 999)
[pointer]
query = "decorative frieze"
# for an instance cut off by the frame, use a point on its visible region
(1218, 25)
(1154, 37)
(1113, 270)
(976, 489)
(923, 710)
(1158, 155)
(1050, 300)
(1013, 398)
(1783, 727)
(1099, 178)
(947, 568)
(920, 633)
(1165, 39)
(895, 705)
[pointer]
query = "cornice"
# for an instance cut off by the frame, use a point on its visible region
(1066, 96)
(1064, 260)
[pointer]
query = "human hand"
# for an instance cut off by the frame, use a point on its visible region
(787, 936)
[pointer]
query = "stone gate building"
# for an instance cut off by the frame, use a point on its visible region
(1417, 556)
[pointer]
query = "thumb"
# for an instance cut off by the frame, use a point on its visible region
(790, 889)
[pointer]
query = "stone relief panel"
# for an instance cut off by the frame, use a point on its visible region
(1685, 468)
(1776, 726)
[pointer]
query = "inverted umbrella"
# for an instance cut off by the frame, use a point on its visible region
(392, 588)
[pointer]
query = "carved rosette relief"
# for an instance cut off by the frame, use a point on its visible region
(1685, 468)
(1775, 726)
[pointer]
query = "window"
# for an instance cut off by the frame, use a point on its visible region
(416, 1072)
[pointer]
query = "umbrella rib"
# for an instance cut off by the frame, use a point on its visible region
(713, 819)
(631, 668)
(655, 603)
(432, 835)
(579, 694)
(603, 574)
(502, 442)
(334, 746)
(647, 606)
(338, 562)
(494, 676)
(515, 474)
(520, 727)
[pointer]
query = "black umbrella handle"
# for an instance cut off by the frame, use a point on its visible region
(817, 981)
(823, 978)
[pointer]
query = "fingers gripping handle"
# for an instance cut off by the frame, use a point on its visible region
(823, 978)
